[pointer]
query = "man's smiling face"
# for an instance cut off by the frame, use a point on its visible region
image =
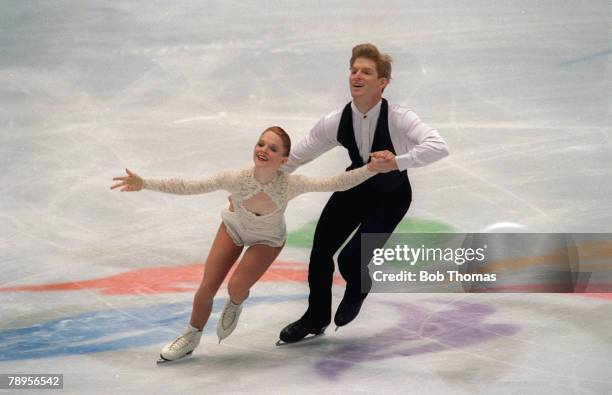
(364, 81)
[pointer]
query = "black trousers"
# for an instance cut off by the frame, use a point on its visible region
(362, 208)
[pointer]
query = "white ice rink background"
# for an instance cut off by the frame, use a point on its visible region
(94, 282)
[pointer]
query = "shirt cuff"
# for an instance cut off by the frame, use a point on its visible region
(404, 161)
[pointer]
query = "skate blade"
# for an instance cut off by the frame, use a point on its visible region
(308, 338)
(163, 360)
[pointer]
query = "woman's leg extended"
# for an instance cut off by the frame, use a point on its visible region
(256, 260)
(223, 253)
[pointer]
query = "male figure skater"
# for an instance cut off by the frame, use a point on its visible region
(394, 139)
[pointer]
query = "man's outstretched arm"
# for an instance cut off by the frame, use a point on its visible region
(319, 140)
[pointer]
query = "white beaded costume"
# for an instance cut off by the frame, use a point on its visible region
(244, 226)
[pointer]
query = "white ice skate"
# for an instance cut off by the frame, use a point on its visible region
(228, 320)
(182, 346)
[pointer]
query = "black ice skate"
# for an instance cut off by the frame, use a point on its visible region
(297, 332)
(347, 311)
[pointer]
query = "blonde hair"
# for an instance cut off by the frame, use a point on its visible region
(369, 51)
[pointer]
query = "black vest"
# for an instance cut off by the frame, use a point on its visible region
(382, 182)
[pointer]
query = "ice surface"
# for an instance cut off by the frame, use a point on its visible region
(520, 90)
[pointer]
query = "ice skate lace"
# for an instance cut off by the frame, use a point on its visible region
(229, 315)
(181, 342)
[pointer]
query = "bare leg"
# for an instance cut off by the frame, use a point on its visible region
(256, 260)
(221, 257)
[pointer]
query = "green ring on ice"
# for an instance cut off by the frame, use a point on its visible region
(302, 237)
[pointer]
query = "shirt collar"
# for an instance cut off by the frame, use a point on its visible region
(372, 114)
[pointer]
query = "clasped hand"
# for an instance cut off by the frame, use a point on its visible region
(382, 161)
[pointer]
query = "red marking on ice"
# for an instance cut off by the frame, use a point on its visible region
(165, 280)
(597, 290)
(607, 296)
(547, 288)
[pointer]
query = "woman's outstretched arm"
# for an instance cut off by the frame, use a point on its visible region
(299, 184)
(132, 182)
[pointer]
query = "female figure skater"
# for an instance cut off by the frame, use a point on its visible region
(255, 219)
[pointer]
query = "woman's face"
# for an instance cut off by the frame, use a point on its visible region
(269, 151)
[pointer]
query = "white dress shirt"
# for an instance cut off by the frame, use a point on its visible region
(415, 143)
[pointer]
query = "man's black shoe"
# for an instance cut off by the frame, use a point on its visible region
(296, 331)
(347, 311)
